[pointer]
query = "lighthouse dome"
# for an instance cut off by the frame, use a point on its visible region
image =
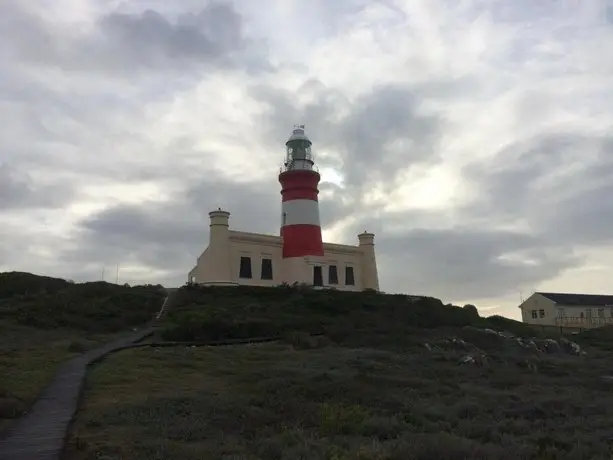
(298, 135)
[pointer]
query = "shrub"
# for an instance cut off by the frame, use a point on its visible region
(216, 312)
(50, 303)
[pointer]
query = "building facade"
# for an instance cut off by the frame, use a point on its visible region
(572, 311)
(298, 254)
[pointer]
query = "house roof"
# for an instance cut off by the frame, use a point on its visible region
(579, 299)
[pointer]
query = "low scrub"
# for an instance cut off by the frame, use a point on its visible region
(50, 303)
(201, 313)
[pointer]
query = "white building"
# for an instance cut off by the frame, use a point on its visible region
(573, 311)
(298, 254)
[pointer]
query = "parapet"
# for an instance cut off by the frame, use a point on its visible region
(219, 217)
(365, 238)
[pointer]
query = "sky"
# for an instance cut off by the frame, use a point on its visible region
(473, 137)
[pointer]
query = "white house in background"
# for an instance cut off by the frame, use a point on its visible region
(298, 254)
(576, 311)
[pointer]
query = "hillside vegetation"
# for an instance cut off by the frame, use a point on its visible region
(202, 313)
(389, 377)
(44, 321)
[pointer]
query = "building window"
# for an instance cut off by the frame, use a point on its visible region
(266, 269)
(332, 275)
(541, 313)
(349, 279)
(284, 219)
(561, 313)
(611, 312)
(601, 312)
(318, 279)
(534, 316)
(245, 268)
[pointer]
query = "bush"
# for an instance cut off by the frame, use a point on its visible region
(216, 312)
(49, 303)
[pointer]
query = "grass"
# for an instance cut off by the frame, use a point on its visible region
(363, 398)
(28, 360)
(45, 321)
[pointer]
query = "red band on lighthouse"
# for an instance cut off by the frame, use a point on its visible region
(301, 228)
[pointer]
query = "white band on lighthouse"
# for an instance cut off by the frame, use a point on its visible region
(300, 212)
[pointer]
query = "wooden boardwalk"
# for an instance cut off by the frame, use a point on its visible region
(40, 434)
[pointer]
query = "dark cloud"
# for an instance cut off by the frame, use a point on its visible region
(468, 263)
(151, 40)
(382, 133)
(20, 191)
(557, 183)
(170, 235)
(131, 45)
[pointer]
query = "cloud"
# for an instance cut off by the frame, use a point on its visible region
(19, 191)
(136, 44)
(352, 135)
(472, 137)
(459, 262)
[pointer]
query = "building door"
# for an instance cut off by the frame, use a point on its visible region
(318, 278)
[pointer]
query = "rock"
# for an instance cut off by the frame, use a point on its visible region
(457, 341)
(529, 344)
(571, 347)
(476, 359)
(432, 347)
(507, 335)
(548, 346)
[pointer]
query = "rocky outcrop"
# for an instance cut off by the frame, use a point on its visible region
(473, 355)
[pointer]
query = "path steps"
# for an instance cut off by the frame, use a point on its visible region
(40, 433)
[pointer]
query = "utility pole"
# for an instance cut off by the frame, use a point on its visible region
(102, 273)
(117, 275)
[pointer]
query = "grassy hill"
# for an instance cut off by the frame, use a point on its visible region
(44, 321)
(389, 377)
(212, 313)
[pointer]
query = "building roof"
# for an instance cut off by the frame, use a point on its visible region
(579, 299)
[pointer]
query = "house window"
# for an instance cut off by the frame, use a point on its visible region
(245, 268)
(349, 279)
(534, 315)
(332, 275)
(318, 279)
(561, 313)
(266, 269)
(601, 312)
(541, 313)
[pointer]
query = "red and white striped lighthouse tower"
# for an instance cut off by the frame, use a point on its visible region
(300, 227)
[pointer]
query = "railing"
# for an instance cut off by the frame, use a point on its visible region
(577, 321)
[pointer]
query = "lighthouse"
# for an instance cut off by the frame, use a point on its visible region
(298, 254)
(300, 224)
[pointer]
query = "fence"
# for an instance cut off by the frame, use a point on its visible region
(583, 322)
